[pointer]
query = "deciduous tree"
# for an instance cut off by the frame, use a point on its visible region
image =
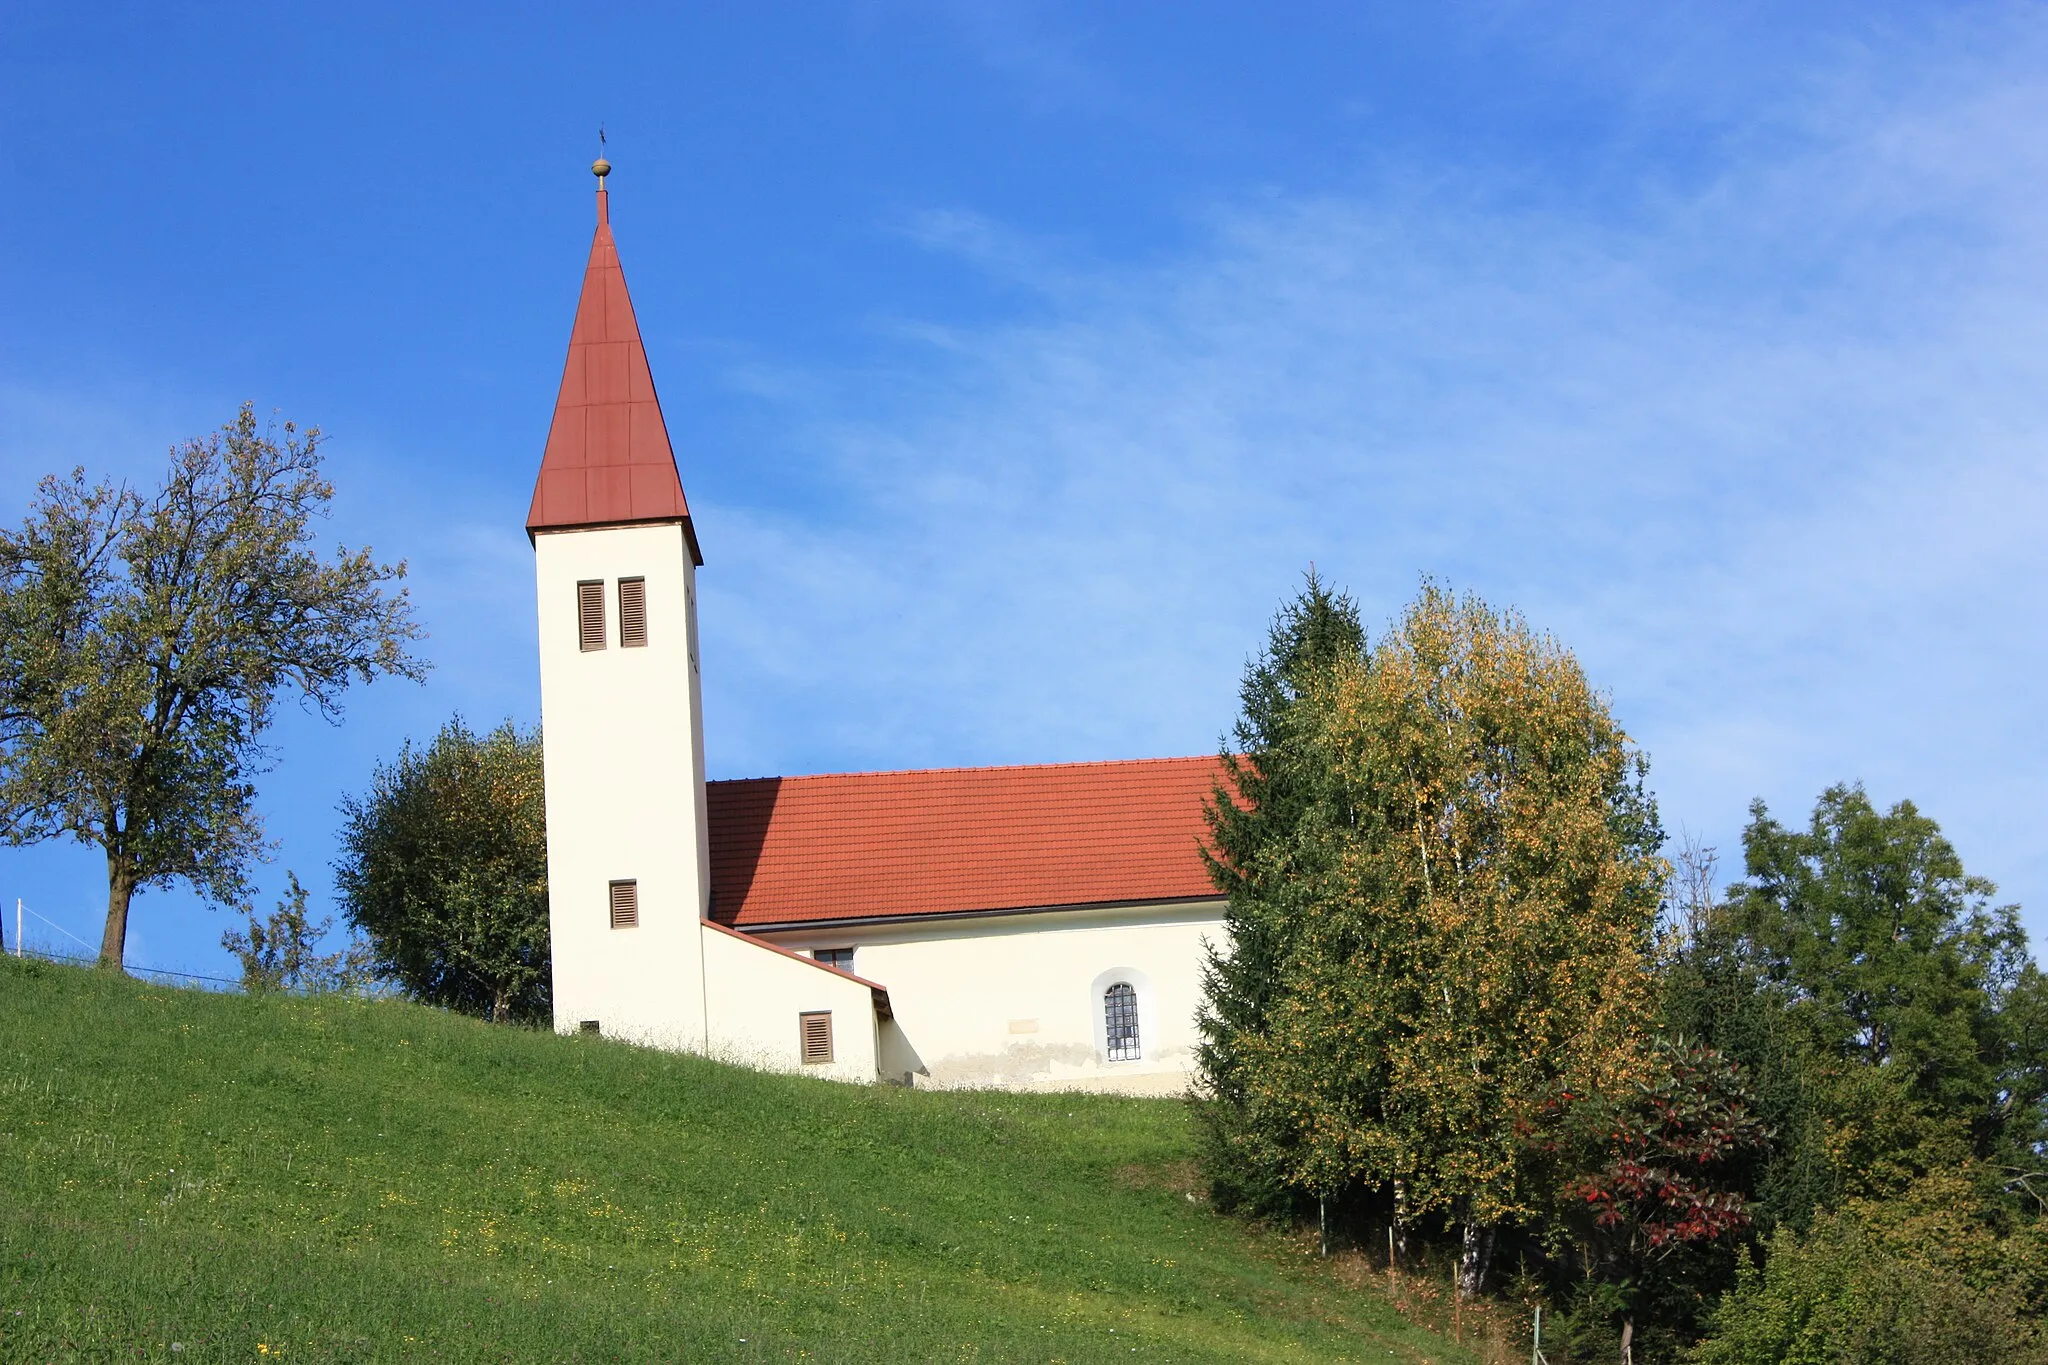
(1886, 1015)
(145, 642)
(1668, 1148)
(279, 951)
(1895, 957)
(444, 866)
(1715, 991)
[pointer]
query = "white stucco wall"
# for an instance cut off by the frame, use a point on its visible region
(756, 996)
(624, 748)
(1016, 1000)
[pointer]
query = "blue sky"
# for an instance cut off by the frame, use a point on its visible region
(1019, 357)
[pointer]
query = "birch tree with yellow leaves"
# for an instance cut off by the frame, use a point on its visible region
(1471, 949)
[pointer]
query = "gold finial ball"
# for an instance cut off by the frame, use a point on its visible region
(600, 168)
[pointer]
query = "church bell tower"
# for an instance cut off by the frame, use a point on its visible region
(615, 570)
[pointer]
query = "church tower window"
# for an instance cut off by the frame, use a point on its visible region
(625, 905)
(590, 613)
(1120, 1012)
(632, 613)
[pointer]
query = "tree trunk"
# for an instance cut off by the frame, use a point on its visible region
(120, 890)
(501, 1005)
(1401, 1221)
(1475, 1259)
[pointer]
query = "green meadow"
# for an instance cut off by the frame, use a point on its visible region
(188, 1176)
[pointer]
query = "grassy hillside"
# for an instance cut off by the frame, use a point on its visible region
(336, 1179)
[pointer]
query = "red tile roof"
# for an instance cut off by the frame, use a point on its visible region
(850, 846)
(608, 459)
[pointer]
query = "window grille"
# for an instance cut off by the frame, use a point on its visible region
(814, 1031)
(1120, 1012)
(625, 905)
(589, 1026)
(842, 958)
(632, 613)
(590, 613)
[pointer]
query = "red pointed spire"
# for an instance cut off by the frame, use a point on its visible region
(608, 459)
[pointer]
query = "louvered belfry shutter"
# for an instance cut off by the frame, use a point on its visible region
(632, 612)
(625, 905)
(815, 1030)
(590, 613)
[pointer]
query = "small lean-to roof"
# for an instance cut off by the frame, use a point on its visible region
(859, 846)
(608, 461)
(877, 991)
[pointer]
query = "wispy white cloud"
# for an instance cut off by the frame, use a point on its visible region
(1025, 42)
(1765, 446)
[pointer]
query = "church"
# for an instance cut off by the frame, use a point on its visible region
(1031, 927)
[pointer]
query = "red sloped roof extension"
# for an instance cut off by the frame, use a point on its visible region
(790, 850)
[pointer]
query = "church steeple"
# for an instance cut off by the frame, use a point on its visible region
(615, 591)
(608, 459)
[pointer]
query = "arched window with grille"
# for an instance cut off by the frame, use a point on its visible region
(1120, 1014)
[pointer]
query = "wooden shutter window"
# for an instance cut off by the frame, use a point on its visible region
(815, 1031)
(632, 613)
(590, 613)
(625, 905)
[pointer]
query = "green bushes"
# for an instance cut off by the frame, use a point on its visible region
(1915, 1281)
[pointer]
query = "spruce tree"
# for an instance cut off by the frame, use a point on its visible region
(1272, 780)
